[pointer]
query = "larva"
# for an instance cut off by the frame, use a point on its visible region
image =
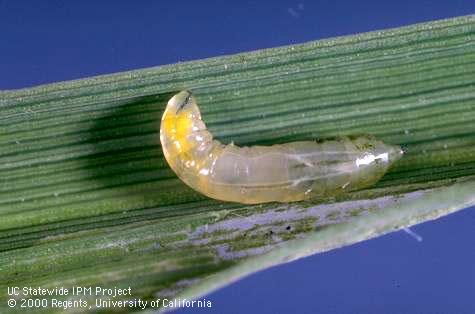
(258, 174)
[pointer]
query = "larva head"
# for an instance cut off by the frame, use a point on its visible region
(182, 105)
(180, 123)
(374, 160)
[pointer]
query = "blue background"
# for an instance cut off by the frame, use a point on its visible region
(49, 41)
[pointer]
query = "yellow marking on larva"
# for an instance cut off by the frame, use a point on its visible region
(177, 127)
(258, 174)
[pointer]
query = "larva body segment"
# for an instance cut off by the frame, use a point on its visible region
(258, 174)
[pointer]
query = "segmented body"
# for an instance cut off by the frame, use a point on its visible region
(258, 174)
